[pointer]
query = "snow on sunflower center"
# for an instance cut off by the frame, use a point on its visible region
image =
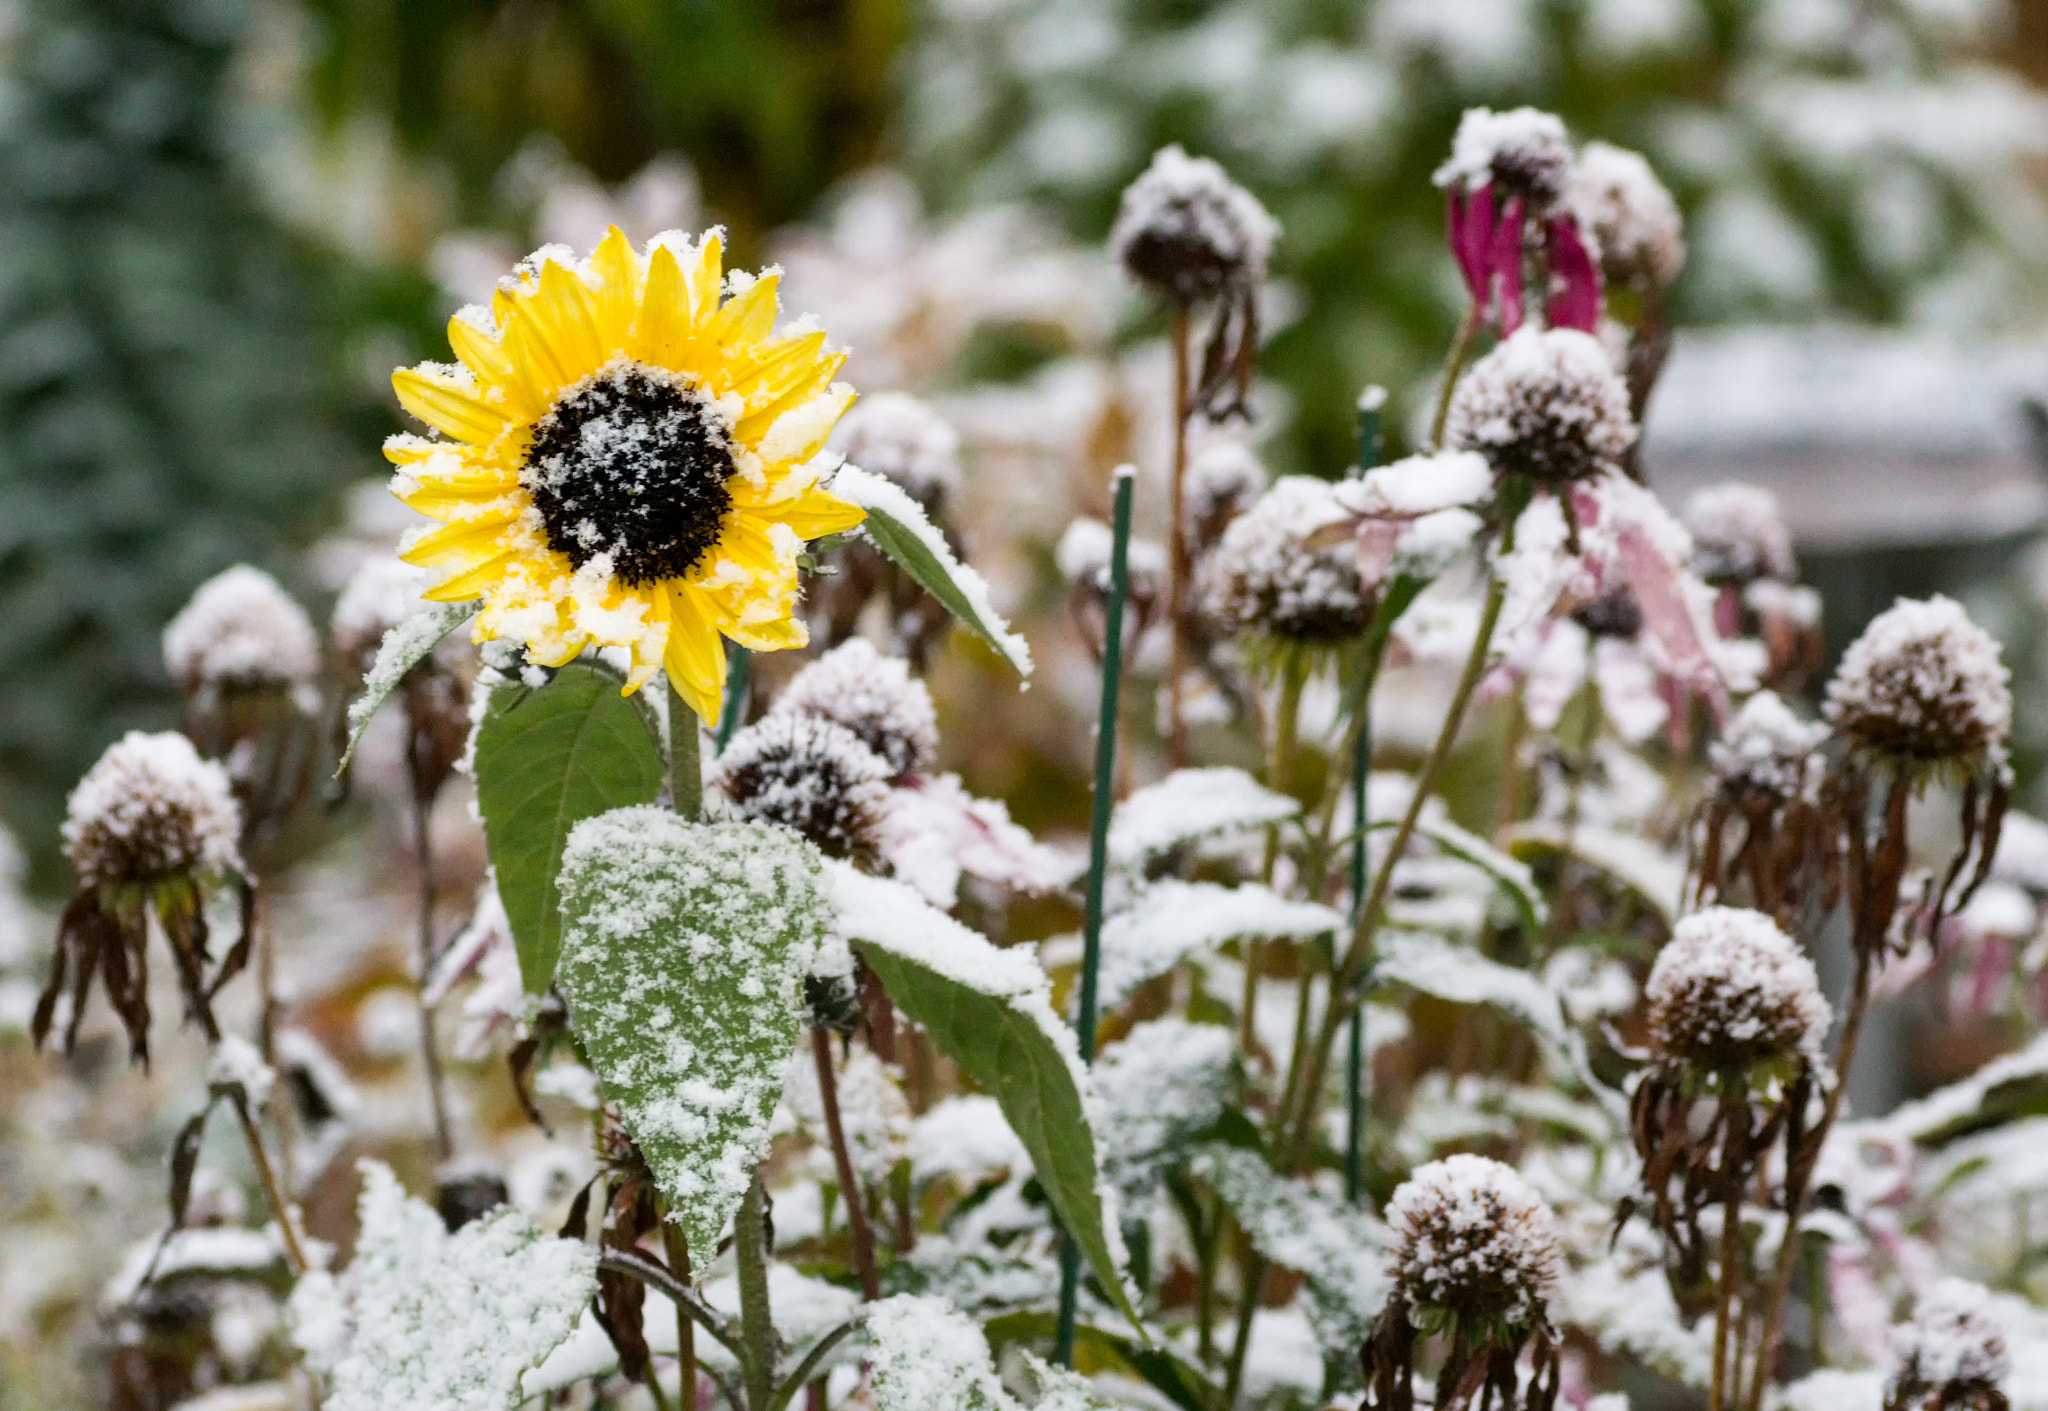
(628, 454)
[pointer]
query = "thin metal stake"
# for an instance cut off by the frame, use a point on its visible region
(1098, 851)
(1369, 407)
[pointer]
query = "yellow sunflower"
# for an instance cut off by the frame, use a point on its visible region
(629, 457)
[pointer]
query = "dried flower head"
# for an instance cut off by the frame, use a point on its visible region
(1083, 558)
(1474, 1242)
(1520, 153)
(1188, 232)
(240, 630)
(1769, 752)
(1731, 991)
(1546, 403)
(149, 810)
(895, 435)
(377, 597)
(808, 774)
(1632, 217)
(1224, 478)
(1279, 572)
(873, 696)
(1952, 1355)
(1924, 683)
(1738, 535)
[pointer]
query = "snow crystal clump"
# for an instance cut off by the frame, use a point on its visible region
(1522, 152)
(1953, 1348)
(1732, 990)
(1189, 232)
(1083, 559)
(928, 1356)
(428, 1319)
(1925, 682)
(151, 808)
(1769, 752)
(1223, 479)
(1475, 1240)
(1546, 403)
(876, 698)
(241, 630)
(1285, 569)
(808, 774)
(1631, 216)
(1738, 535)
(895, 435)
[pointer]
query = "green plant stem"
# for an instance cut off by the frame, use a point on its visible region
(1279, 764)
(1098, 853)
(757, 1325)
(685, 766)
(1461, 353)
(1233, 1375)
(1359, 954)
(1177, 558)
(739, 676)
(1354, 1050)
(794, 1382)
(1724, 1299)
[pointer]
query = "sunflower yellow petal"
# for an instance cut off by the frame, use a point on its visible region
(564, 315)
(706, 278)
(465, 542)
(472, 582)
(747, 317)
(780, 634)
(442, 403)
(801, 430)
(663, 328)
(478, 351)
(813, 513)
(695, 654)
(618, 288)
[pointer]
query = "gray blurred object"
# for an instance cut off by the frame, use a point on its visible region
(1906, 464)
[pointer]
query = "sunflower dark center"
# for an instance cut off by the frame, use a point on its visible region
(631, 463)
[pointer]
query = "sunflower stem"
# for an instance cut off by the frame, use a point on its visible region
(1098, 854)
(685, 765)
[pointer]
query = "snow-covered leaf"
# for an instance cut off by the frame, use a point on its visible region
(1187, 805)
(898, 526)
(1638, 864)
(405, 646)
(1163, 1083)
(422, 1318)
(1335, 1249)
(927, 1357)
(1463, 976)
(1514, 877)
(684, 950)
(1172, 920)
(990, 1011)
(547, 759)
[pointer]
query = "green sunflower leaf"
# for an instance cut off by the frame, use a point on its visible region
(991, 1012)
(546, 759)
(898, 526)
(405, 646)
(684, 952)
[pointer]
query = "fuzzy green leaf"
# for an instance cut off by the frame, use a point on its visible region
(990, 1011)
(546, 759)
(683, 958)
(405, 646)
(898, 526)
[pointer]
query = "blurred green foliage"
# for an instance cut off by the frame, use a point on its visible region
(162, 410)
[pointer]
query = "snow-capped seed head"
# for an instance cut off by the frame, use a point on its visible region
(1283, 569)
(1546, 403)
(1769, 753)
(378, 596)
(1475, 1240)
(1952, 1352)
(873, 696)
(1632, 217)
(1522, 152)
(1223, 479)
(1615, 613)
(1924, 682)
(1083, 559)
(808, 774)
(1738, 535)
(894, 434)
(1731, 991)
(1188, 232)
(149, 810)
(240, 629)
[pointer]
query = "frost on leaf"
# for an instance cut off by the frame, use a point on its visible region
(927, 1357)
(1172, 920)
(684, 951)
(1449, 972)
(1163, 1083)
(1188, 805)
(422, 1318)
(405, 646)
(1334, 1248)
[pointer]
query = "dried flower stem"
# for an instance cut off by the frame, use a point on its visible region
(1299, 1110)
(1177, 546)
(1254, 1284)
(1461, 353)
(430, 1049)
(842, 1159)
(1279, 764)
(273, 1191)
(676, 1246)
(1725, 1305)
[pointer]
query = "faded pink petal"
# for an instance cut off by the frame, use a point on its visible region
(1860, 1304)
(1631, 696)
(1575, 288)
(932, 830)
(1507, 265)
(1668, 617)
(1470, 217)
(1377, 539)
